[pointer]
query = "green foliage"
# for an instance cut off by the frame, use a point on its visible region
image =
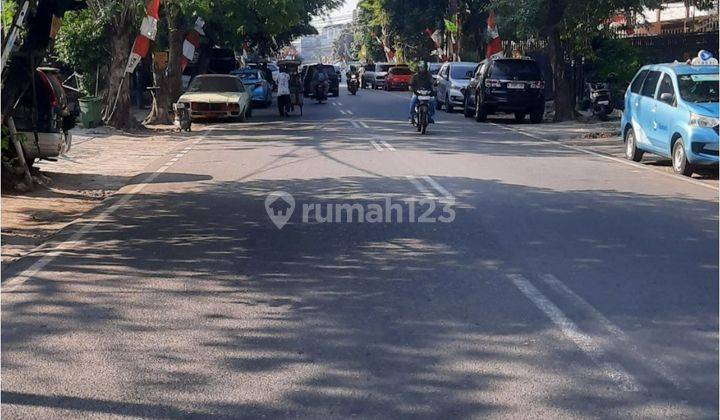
(9, 7)
(82, 43)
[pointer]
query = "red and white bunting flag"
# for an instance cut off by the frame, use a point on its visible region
(192, 43)
(494, 46)
(389, 53)
(139, 50)
(148, 31)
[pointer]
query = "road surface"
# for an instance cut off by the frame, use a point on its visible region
(560, 284)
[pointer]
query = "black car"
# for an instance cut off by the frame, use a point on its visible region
(308, 72)
(506, 85)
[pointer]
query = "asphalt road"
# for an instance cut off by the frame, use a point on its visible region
(567, 285)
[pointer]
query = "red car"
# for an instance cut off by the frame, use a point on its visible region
(398, 78)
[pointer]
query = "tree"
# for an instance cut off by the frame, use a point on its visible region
(82, 43)
(568, 27)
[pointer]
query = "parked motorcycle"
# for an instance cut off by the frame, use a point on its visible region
(598, 97)
(422, 110)
(182, 117)
(353, 84)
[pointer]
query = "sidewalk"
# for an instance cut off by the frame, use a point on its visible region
(100, 162)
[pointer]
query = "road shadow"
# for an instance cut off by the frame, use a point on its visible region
(198, 304)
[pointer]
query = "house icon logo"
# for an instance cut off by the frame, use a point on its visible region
(279, 206)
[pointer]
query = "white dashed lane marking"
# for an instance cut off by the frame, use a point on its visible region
(587, 344)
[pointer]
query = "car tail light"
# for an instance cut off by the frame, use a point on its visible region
(538, 84)
(493, 83)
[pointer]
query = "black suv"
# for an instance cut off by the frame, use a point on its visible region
(308, 72)
(507, 85)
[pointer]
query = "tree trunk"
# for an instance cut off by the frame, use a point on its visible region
(175, 41)
(119, 115)
(561, 86)
(159, 112)
(168, 80)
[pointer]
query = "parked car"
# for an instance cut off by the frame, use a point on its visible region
(506, 85)
(374, 74)
(217, 96)
(308, 71)
(452, 79)
(398, 78)
(259, 88)
(672, 110)
(54, 117)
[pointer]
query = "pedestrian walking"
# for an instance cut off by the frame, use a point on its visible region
(283, 91)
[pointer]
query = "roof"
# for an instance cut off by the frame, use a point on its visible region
(682, 68)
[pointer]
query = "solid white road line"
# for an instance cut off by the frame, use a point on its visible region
(591, 313)
(604, 156)
(387, 145)
(445, 193)
(74, 239)
(584, 342)
(420, 187)
(375, 145)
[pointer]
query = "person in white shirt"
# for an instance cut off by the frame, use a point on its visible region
(283, 91)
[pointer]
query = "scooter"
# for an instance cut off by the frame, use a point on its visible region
(353, 84)
(182, 117)
(598, 97)
(422, 110)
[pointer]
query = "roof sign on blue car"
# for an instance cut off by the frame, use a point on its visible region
(705, 77)
(704, 58)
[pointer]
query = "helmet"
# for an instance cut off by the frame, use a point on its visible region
(422, 65)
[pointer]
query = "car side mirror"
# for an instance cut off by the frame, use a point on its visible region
(668, 98)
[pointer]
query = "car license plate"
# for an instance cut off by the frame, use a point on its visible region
(424, 98)
(516, 86)
(604, 102)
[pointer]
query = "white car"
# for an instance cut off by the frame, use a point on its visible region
(217, 96)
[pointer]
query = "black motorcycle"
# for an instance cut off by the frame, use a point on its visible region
(321, 91)
(422, 110)
(353, 83)
(598, 97)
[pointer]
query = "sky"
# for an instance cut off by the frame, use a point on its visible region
(343, 11)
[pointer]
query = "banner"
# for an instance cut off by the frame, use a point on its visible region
(494, 46)
(148, 31)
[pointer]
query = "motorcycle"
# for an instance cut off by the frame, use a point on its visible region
(422, 110)
(182, 117)
(353, 84)
(321, 91)
(598, 97)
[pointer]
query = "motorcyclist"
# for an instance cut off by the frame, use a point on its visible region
(423, 80)
(320, 77)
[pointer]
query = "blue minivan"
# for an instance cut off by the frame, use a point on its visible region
(672, 110)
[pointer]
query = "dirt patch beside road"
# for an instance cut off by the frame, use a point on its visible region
(100, 162)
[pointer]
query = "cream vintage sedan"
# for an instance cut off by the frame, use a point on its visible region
(217, 96)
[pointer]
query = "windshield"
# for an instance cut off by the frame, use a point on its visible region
(400, 71)
(462, 72)
(214, 84)
(698, 87)
(383, 67)
(515, 70)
